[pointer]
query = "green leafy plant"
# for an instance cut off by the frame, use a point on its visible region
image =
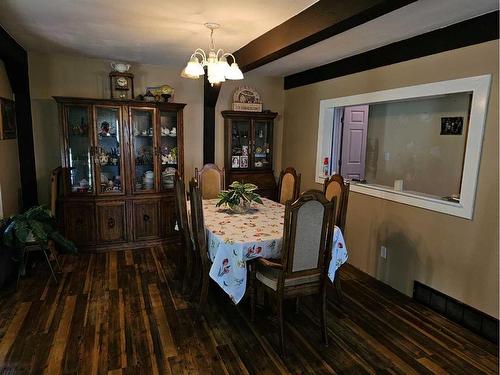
(239, 195)
(36, 224)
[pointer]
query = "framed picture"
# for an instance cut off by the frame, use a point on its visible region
(243, 161)
(452, 125)
(235, 161)
(7, 119)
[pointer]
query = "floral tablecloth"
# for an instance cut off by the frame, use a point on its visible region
(233, 239)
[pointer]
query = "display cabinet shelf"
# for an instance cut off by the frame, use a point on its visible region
(117, 189)
(249, 149)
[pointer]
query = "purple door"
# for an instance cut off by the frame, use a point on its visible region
(354, 142)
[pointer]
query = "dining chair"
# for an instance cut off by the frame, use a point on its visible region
(303, 267)
(200, 239)
(187, 239)
(336, 187)
(211, 180)
(288, 185)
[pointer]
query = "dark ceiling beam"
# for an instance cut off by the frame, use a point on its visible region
(15, 60)
(473, 31)
(320, 21)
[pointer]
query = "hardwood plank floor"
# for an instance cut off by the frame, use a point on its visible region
(122, 313)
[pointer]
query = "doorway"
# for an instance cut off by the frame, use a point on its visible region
(350, 126)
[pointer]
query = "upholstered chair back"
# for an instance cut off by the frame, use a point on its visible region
(211, 180)
(307, 227)
(335, 187)
(288, 186)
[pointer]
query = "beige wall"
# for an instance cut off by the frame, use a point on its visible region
(459, 257)
(61, 75)
(10, 181)
(404, 142)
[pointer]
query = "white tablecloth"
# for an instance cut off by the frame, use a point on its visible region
(233, 239)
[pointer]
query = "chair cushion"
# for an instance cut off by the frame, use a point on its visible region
(269, 277)
(287, 188)
(210, 184)
(307, 246)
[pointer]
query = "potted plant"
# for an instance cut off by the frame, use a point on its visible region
(34, 225)
(239, 197)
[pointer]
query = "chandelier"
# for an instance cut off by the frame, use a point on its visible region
(218, 69)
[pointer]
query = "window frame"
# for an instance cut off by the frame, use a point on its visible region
(479, 86)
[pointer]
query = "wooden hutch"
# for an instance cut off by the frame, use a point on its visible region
(248, 154)
(119, 159)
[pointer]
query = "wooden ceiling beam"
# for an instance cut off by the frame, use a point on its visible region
(320, 21)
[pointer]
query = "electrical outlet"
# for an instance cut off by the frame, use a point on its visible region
(383, 252)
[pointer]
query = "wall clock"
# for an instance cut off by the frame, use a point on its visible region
(121, 85)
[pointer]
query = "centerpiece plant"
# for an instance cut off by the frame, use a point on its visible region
(239, 197)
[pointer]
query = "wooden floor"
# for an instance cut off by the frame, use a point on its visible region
(121, 313)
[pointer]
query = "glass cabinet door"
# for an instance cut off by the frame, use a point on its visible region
(262, 147)
(79, 148)
(240, 142)
(168, 149)
(143, 149)
(108, 154)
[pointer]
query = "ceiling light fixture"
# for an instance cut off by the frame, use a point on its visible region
(218, 69)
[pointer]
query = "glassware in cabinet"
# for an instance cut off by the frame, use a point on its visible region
(143, 149)
(109, 149)
(262, 146)
(79, 149)
(169, 151)
(240, 144)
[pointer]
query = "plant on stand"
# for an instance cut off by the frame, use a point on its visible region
(34, 226)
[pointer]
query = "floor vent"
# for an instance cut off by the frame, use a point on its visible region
(477, 321)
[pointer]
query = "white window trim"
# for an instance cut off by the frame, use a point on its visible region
(480, 88)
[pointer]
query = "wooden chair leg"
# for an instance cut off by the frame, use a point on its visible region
(204, 291)
(281, 324)
(188, 274)
(196, 280)
(324, 329)
(338, 287)
(297, 305)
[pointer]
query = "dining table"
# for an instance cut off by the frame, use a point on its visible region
(233, 239)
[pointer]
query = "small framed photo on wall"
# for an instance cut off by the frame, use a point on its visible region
(7, 119)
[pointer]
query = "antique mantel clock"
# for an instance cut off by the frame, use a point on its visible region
(121, 85)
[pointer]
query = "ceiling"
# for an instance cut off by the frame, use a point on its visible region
(414, 19)
(166, 32)
(162, 32)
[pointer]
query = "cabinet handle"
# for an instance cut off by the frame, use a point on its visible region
(111, 223)
(146, 218)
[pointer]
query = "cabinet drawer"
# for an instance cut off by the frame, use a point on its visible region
(111, 222)
(146, 219)
(79, 223)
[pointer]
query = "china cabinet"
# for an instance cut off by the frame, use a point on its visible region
(248, 151)
(119, 160)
